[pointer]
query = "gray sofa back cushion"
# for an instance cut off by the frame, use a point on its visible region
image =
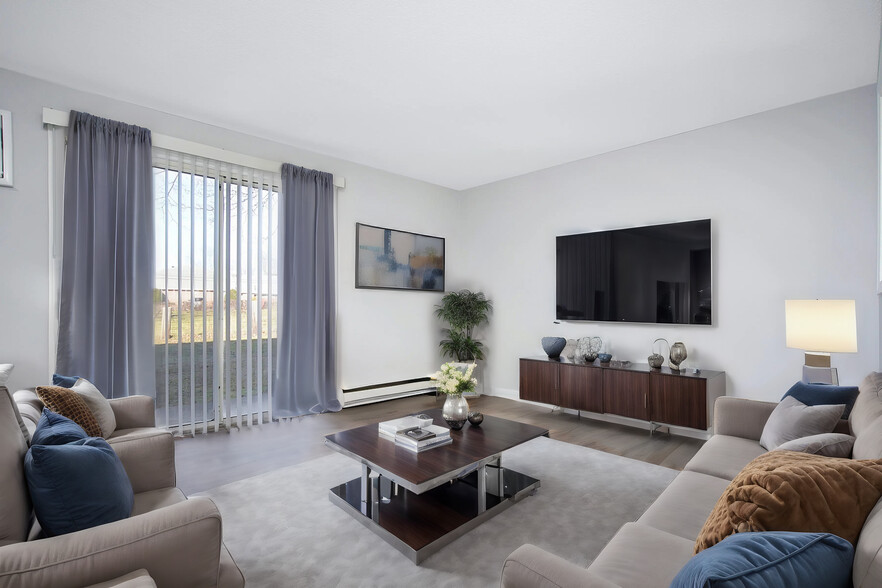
(15, 506)
(868, 406)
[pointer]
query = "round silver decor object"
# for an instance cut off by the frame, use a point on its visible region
(455, 411)
(476, 418)
(656, 360)
(678, 355)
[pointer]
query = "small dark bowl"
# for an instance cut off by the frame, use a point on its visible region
(476, 418)
(604, 357)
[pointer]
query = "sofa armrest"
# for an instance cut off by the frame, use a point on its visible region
(178, 545)
(148, 456)
(531, 567)
(740, 417)
(132, 412)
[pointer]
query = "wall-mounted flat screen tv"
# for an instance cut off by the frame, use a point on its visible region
(654, 274)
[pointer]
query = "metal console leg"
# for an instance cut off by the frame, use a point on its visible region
(482, 489)
(365, 489)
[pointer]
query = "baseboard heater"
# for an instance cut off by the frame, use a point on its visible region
(387, 391)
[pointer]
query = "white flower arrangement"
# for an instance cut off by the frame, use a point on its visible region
(453, 381)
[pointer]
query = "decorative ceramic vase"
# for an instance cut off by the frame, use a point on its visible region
(476, 418)
(678, 355)
(455, 411)
(553, 346)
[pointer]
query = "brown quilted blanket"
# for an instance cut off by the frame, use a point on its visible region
(792, 491)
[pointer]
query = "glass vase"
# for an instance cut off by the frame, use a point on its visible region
(455, 411)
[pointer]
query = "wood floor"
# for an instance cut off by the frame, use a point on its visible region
(206, 461)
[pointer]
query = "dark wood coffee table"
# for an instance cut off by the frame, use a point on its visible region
(420, 502)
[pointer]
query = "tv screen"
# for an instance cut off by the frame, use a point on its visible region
(655, 274)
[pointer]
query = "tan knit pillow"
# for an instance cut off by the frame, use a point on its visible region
(68, 404)
(793, 491)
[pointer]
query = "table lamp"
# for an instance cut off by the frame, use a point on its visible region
(820, 327)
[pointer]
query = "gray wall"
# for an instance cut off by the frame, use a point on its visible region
(792, 196)
(383, 335)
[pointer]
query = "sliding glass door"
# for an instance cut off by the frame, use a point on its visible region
(215, 298)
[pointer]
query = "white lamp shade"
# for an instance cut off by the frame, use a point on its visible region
(827, 326)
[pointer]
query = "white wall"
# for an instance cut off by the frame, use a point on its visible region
(792, 196)
(384, 335)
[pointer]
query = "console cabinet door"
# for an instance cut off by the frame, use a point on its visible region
(678, 400)
(626, 394)
(539, 382)
(581, 387)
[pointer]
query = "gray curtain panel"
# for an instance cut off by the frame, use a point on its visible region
(106, 317)
(306, 378)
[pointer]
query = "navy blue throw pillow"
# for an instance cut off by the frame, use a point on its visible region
(760, 560)
(815, 394)
(54, 429)
(77, 486)
(64, 381)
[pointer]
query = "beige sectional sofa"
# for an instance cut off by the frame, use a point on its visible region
(649, 552)
(175, 541)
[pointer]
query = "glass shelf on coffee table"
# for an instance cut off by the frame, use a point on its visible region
(420, 502)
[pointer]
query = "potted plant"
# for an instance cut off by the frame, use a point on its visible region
(455, 382)
(463, 311)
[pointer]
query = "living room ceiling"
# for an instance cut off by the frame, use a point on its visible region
(458, 93)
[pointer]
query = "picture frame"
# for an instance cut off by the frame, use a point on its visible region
(390, 259)
(5, 148)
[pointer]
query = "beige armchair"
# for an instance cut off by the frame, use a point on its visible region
(176, 540)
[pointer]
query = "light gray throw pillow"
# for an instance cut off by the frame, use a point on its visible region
(5, 370)
(792, 419)
(100, 406)
(827, 444)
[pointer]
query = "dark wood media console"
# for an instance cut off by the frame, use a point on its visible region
(636, 391)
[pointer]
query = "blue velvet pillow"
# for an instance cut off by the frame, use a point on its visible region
(64, 381)
(760, 560)
(815, 394)
(54, 429)
(77, 486)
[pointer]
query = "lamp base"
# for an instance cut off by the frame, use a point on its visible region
(816, 359)
(820, 375)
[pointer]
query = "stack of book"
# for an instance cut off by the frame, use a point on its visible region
(409, 434)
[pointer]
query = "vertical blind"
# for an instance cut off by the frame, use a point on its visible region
(216, 294)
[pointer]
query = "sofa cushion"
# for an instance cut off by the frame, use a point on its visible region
(868, 406)
(15, 506)
(758, 560)
(814, 394)
(868, 444)
(68, 403)
(685, 504)
(828, 444)
(724, 456)
(77, 486)
(137, 579)
(98, 405)
(54, 429)
(642, 556)
(867, 569)
(5, 371)
(791, 491)
(792, 419)
(155, 499)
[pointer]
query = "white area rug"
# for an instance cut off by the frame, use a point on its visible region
(283, 530)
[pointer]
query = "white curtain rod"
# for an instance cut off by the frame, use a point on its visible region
(60, 118)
